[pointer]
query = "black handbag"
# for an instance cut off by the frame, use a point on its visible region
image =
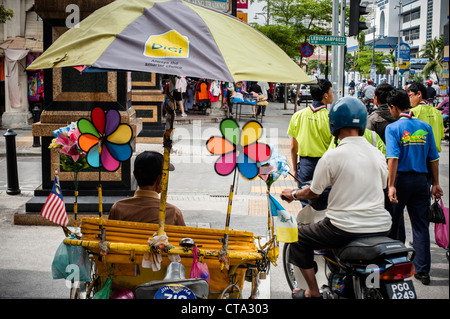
(435, 214)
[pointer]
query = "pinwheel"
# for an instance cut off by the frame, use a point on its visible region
(239, 151)
(105, 140)
(107, 143)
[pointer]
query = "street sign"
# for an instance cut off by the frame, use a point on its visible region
(327, 40)
(306, 50)
(403, 58)
(373, 71)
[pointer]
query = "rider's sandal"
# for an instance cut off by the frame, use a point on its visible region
(301, 295)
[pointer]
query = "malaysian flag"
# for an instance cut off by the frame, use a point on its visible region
(54, 208)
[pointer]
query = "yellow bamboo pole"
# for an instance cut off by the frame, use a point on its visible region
(167, 143)
(247, 256)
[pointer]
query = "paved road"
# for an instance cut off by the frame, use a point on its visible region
(27, 251)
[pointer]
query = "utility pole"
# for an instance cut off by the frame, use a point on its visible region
(341, 73)
(335, 48)
(397, 67)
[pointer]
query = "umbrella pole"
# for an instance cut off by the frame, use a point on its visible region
(75, 204)
(167, 143)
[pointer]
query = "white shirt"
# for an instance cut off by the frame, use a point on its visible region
(358, 174)
(369, 90)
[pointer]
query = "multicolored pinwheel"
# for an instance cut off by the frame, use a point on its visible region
(105, 140)
(240, 149)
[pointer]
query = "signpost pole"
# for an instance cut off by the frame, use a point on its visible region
(341, 73)
(335, 49)
(397, 75)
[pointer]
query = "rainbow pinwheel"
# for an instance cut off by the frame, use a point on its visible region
(105, 140)
(238, 149)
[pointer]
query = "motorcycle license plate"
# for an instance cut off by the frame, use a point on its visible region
(401, 290)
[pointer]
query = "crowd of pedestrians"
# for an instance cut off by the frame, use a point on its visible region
(407, 130)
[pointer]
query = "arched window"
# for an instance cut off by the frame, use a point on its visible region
(381, 31)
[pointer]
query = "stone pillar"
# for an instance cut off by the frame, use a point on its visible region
(16, 113)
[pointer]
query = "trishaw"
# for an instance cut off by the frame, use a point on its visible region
(118, 249)
(148, 259)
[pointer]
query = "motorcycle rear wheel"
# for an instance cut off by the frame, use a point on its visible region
(288, 268)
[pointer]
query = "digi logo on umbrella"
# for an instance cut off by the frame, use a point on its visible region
(167, 45)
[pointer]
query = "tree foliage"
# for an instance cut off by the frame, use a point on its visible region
(5, 14)
(433, 51)
(293, 21)
(363, 61)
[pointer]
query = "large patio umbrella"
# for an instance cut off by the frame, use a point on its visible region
(171, 37)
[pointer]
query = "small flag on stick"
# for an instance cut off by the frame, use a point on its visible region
(54, 209)
(287, 230)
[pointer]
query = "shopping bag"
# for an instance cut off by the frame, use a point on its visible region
(198, 269)
(435, 213)
(105, 292)
(71, 263)
(441, 230)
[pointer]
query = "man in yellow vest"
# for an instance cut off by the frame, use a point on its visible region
(310, 132)
(423, 111)
(417, 93)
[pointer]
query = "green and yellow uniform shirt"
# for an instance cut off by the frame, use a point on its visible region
(310, 127)
(372, 137)
(432, 116)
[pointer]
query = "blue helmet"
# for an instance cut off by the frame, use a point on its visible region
(348, 112)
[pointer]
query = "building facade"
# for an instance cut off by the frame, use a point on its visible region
(414, 21)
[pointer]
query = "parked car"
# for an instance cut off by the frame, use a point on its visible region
(304, 94)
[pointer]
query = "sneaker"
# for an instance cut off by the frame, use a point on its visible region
(183, 114)
(423, 277)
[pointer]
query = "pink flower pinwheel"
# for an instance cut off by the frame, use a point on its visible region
(238, 149)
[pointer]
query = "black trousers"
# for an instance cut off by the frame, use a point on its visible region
(321, 235)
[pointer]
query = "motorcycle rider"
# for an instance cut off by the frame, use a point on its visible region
(431, 91)
(367, 92)
(351, 87)
(355, 204)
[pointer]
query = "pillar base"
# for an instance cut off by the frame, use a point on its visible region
(15, 119)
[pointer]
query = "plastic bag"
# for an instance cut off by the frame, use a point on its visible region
(435, 214)
(441, 232)
(71, 263)
(105, 292)
(198, 270)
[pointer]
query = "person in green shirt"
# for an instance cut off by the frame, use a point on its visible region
(417, 93)
(310, 132)
(372, 137)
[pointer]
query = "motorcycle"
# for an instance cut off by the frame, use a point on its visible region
(351, 91)
(366, 268)
(433, 101)
(369, 106)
